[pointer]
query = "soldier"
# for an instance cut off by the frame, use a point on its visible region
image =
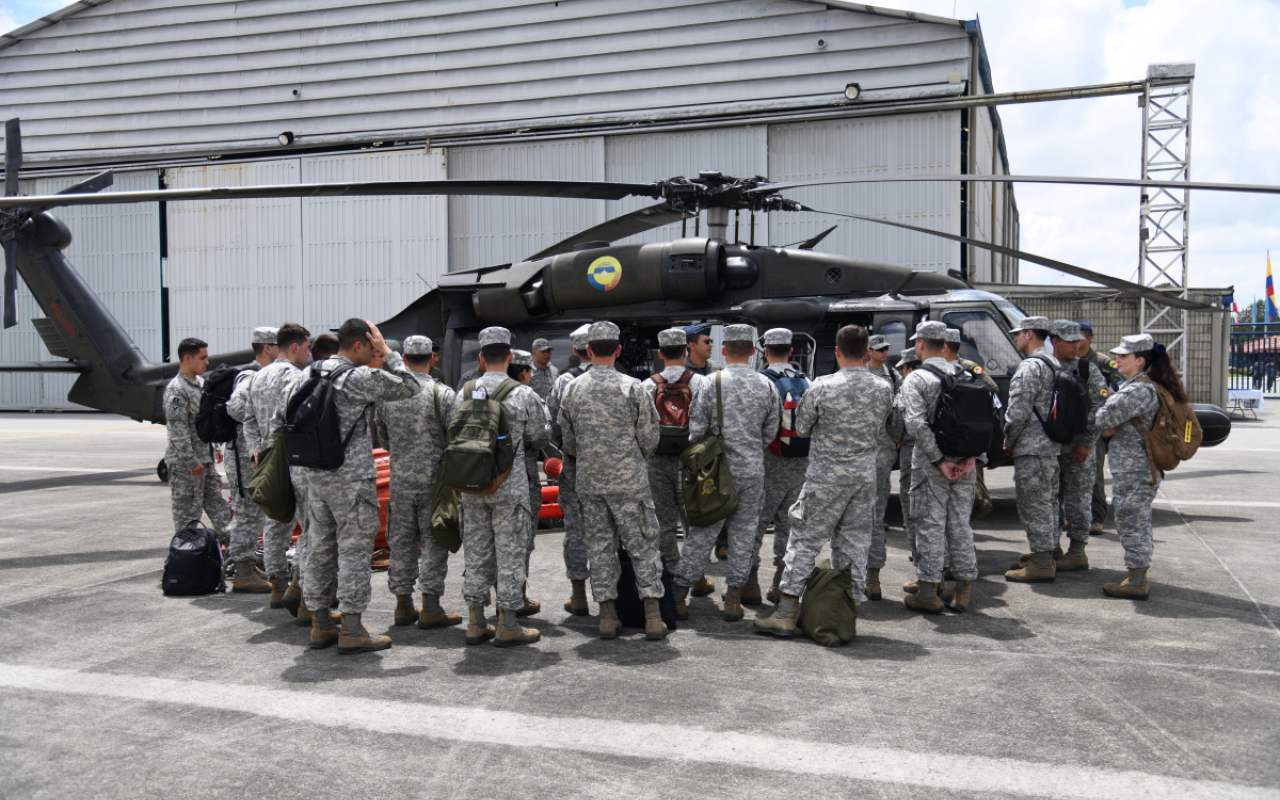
(326, 346)
(664, 470)
(495, 531)
(877, 364)
(843, 414)
(247, 520)
(545, 373)
(752, 410)
(1035, 455)
(951, 352)
(783, 475)
(1111, 372)
(698, 337)
(522, 369)
(1076, 459)
(942, 485)
(908, 362)
(412, 432)
(610, 425)
(471, 374)
(575, 547)
(1144, 364)
(342, 504)
(194, 484)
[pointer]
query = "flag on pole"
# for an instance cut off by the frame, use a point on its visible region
(1272, 314)
(1229, 300)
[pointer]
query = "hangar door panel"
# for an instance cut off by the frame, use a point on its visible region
(369, 257)
(116, 249)
(233, 264)
(866, 147)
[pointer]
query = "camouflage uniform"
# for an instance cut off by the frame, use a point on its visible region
(263, 417)
(1131, 489)
(410, 431)
(706, 370)
(1035, 455)
(665, 479)
(575, 547)
(543, 380)
(1111, 371)
(905, 453)
(532, 447)
(469, 375)
(191, 494)
(609, 424)
(783, 480)
(842, 414)
(752, 412)
(342, 504)
(247, 521)
(1076, 481)
(886, 457)
(940, 508)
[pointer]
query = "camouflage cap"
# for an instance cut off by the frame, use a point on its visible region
(264, 335)
(540, 344)
(522, 358)
(1064, 330)
(930, 329)
(739, 333)
(877, 342)
(1137, 343)
(952, 335)
(417, 346)
(672, 337)
(908, 356)
(579, 337)
(603, 332)
(776, 336)
(1033, 324)
(495, 335)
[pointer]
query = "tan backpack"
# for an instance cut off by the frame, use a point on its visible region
(1174, 436)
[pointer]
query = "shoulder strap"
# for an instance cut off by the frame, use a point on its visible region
(1042, 358)
(657, 379)
(505, 388)
(936, 370)
(771, 375)
(435, 397)
(719, 405)
(686, 377)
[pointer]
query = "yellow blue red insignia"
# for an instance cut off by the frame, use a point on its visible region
(1114, 365)
(1104, 393)
(604, 274)
(977, 370)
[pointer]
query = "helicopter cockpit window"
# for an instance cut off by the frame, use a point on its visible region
(895, 331)
(984, 342)
(470, 352)
(1011, 312)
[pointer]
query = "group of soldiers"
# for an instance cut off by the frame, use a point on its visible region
(617, 490)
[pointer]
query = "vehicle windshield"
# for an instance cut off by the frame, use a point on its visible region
(983, 342)
(1011, 312)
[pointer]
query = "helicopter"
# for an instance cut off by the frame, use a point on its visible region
(641, 287)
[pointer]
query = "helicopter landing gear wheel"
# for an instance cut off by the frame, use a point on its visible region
(162, 471)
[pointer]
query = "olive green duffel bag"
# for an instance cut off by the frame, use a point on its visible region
(270, 486)
(709, 494)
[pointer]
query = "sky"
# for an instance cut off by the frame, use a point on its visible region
(1235, 45)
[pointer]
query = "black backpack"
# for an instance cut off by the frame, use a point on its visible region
(194, 565)
(629, 606)
(964, 418)
(213, 424)
(1069, 409)
(311, 434)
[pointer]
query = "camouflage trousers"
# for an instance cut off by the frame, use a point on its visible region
(1075, 493)
(781, 491)
(941, 510)
(1100, 482)
(608, 519)
(415, 554)
(840, 514)
(342, 525)
(248, 519)
(1132, 495)
(277, 537)
(495, 549)
(905, 454)
(741, 529)
(192, 496)
(666, 485)
(1036, 480)
(575, 546)
(885, 458)
(535, 505)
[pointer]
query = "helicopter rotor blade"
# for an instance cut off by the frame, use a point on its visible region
(12, 165)
(1255, 188)
(12, 156)
(94, 184)
(644, 219)
(1154, 295)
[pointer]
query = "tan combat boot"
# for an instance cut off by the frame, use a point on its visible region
(749, 594)
(732, 604)
(577, 602)
(1074, 560)
(911, 587)
(303, 613)
(479, 630)
(290, 597)
(510, 633)
(1037, 569)
(1133, 587)
(530, 607)
(247, 579)
(957, 599)
(681, 594)
(323, 632)
(1025, 558)
(783, 620)
(355, 639)
(406, 614)
(1096, 529)
(654, 627)
(925, 599)
(704, 587)
(872, 587)
(433, 616)
(609, 622)
(775, 589)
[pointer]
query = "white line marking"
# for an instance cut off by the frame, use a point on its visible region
(631, 740)
(69, 469)
(1232, 503)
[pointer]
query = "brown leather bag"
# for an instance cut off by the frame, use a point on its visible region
(1175, 434)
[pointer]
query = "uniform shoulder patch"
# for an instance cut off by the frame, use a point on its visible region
(1114, 365)
(977, 370)
(1104, 393)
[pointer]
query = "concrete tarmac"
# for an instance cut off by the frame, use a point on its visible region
(109, 689)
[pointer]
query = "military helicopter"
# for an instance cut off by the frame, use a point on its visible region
(641, 287)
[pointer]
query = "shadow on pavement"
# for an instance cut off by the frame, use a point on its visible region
(94, 557)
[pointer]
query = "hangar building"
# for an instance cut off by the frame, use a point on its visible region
(215, 93)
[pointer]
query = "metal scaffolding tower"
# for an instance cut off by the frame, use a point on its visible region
(1164, 227)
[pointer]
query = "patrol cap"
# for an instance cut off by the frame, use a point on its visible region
(698, 329)
(776, 336)
(522, 358)
(932, 330)
(1064, 330)
(495, 335)
(739, 333)
(877, 342)
(672, 337)
(1137, 343)
(952, 335)
(417, 346)
(908, 356)
(579, 337)
(264, 335)
(1085, 326)
(540, 344)
(1033, 324)
(603, 332)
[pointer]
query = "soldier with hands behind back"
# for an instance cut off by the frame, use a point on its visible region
(195, 488)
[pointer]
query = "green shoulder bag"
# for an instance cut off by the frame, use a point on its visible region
(445, 525)
(270, 486)
(709, 494)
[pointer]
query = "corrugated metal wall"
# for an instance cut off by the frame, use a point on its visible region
(116, 249)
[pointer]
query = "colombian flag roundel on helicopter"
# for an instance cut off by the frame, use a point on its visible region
(604, 274)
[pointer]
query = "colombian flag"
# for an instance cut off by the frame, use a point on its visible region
(1272, 315)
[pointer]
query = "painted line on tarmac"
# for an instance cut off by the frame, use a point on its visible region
(631, 740)
(68, 469)
(80, 433)
(1166, 500)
